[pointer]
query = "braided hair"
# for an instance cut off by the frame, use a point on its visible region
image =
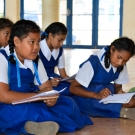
(123, 43)
(54, 28)
(21, 29)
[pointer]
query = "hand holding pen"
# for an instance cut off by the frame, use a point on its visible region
(55, 81)
(103, 93)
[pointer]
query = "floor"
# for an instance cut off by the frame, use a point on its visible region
(102, 126)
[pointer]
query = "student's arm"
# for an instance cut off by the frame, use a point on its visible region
(63, 74)
(77, 89)
(118, 88)
(8, 96)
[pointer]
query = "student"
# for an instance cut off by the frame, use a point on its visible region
(93, 80)
(5, 28)
(52, 55)
(23, 75)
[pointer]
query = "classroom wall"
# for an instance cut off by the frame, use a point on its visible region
(129, 19)
(50, 12)
(12, 10)
(128, 28)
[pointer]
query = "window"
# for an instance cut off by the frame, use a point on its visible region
(2, 8)
(32, 10)
(91, 23)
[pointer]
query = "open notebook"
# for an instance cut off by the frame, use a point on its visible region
(118, 98)
(41, 96)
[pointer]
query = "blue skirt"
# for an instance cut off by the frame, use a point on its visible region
(66, 113)
(93, 108)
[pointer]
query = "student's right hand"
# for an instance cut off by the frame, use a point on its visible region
(55, 81)
(103, 93)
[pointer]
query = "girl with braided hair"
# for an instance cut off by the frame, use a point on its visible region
(95, 76)
(52, 55)
(5, 28)
(22, 76)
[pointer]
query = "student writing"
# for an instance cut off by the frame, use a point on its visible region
(93, 80)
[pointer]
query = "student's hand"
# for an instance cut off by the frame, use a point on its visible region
(103, 93)
(51, 102)
(55, 81)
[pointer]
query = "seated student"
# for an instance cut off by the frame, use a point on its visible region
(22, 76)
(5, 28)
(93, 80)
(52, 55)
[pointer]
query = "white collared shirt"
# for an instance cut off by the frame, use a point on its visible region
(86, 72)
(27, 64)
(55, 53)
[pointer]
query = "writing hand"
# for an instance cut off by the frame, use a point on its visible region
(55, 81)
(103, 93)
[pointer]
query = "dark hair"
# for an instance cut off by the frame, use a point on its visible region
(21, 29)
(54, 28)
(5, 22)
(123, 43)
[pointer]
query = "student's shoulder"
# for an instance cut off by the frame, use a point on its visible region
(93, 59)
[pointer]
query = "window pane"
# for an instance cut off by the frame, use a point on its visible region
(1, 8)
(81, 37)
(82, 22)
(108, 21)
(33, 11)
(106, 37)
(63, 11)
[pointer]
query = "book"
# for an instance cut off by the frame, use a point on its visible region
(69, 78)
(118, 98)
(41, 96)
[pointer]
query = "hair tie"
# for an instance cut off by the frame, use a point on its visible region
(44, 33)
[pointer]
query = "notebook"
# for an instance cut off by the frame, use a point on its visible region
(41, 96)
(118, 98)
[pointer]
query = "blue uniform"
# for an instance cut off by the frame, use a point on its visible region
(13, 117)
(101, 79)
(50, 67)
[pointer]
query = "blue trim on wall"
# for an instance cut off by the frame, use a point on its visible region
(95, 24)
(4, 8)
(121, 16)
(21, 9)
(94, 37)
(69, 25)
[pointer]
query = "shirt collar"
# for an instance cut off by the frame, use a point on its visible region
(100, 55)
(47, 52)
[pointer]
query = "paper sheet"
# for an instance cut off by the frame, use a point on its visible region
(41, 96)
(118, 98)
(69, 78)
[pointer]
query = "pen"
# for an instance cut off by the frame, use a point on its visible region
(52, 78)
(111, 94)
